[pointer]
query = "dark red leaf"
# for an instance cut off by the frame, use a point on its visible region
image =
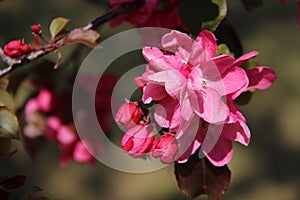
(13, 182)
(198, 176)
(4, 195)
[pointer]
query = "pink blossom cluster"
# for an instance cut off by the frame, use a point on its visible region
(152, 13)
(194, 89)
(57, 128)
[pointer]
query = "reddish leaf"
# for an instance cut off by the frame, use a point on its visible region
(80, 35)
(198, 176)
(13, 182)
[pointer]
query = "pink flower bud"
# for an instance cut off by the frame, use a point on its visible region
(81, 154)
(44, 99)
(138, 140)
(16, 48)
(52, 127)
(31, 106)
(165, 147)
(129, 114)
(36, 28)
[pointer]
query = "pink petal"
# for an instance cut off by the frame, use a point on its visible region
(164, 112)
(261, 77)
(207, 40)
(244, 58)
(238, 132)
(160, 61)
(141, 81)
(214, 109)
(176, 41)
(221, 154)
(234, 80)
(172, 79)
(153, 92)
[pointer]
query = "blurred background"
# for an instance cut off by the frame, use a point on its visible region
(267, 169)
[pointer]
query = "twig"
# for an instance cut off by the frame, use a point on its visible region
(17, 63)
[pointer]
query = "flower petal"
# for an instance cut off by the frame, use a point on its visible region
(221, 154)
(261, 77)
(172, 79)
(244, 58)
(153, 92)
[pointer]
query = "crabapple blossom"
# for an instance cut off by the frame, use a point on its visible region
(149, 13)
(138, 140)
(194, 91)
(165, 147)
(129, 114)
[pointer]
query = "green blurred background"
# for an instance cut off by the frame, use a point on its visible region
(268, 169)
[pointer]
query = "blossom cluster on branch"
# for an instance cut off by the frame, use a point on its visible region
(193, 88)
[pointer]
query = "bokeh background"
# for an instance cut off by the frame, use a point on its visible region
(268, 169)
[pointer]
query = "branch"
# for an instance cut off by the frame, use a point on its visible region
(17, 63)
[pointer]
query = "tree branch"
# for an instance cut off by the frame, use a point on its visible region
(17, 63)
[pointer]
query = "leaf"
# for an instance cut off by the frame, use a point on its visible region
(223, 49)
(251, 4)
(194, 13)
(13, 182)
(9, 125)
(213, 24)
(7, 100)
(4, 83)
(57, 25)
(244, 98)
(198, 176)
(227, 35)
(80, 35)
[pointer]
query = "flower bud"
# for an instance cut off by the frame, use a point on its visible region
(16, 48)
(138, 140)
(129, 114)
(36, 28)
(165, 147)
(81, 154)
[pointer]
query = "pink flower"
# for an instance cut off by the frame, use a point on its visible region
(148, 14)
(16, 48)
(165, 147)
(45, 100)
(193, 75)
(81, 154)
(129, 114)
(31, 106)
(138, 140)
(66, 136)
(191, 85)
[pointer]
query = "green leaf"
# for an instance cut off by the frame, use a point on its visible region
(9, 125)
(199, 177)
(57, 26)
(213, 24)
(223, 49)
(80, 35)
(4, 83)
(7, 100)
